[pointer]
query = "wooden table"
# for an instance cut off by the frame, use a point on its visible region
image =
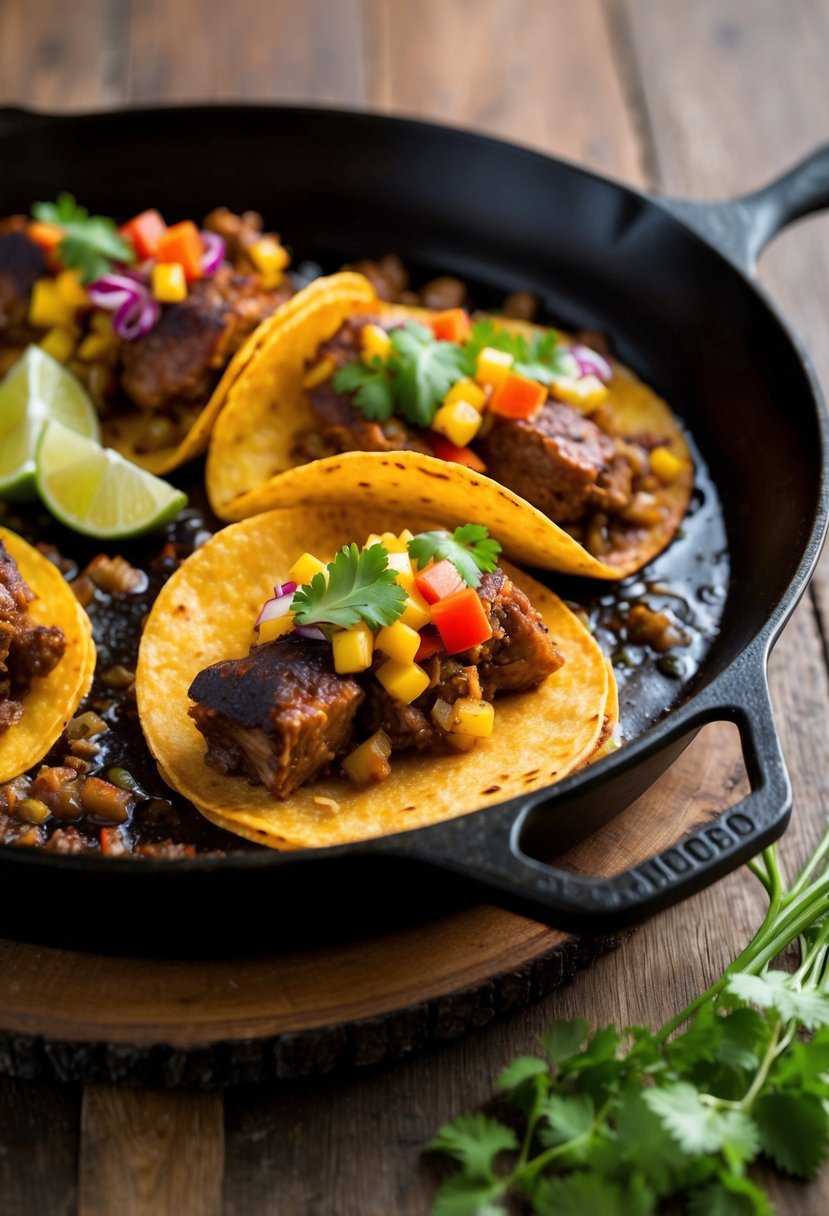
(702, 99)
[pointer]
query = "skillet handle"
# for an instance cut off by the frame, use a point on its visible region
(742, 227)
(490, 857)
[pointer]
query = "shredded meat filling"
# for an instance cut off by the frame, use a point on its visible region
(26, 651)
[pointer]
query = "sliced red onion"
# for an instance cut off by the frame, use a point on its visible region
(284, 589)
(113, 290)
(591, 363)
(135, 318)
(214, 251)
(274, 608)
(310, 631)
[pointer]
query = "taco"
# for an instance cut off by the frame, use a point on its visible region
(575, 464)
(155, 320)
(382, 688)
(47, 655)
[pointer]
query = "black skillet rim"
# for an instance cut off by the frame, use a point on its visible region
(653, 739)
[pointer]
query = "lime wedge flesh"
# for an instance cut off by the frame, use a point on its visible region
(96, 491)
(37, 389)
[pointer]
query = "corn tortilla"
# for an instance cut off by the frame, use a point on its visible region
(251, 466)
(205, 613)
(53, 698)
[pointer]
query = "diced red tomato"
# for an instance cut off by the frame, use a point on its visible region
(452, 325)
(444, 449)
(517, 396)
(437, 580)
(461, 620)
(182, 243)
(145, 231)
(430, 644)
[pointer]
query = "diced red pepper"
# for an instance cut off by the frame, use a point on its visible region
(437, 580)
(182, 243)
(430, 644)
(452, 325)
(461, 620)
(145, 232)
(444, 449)
(517, 396)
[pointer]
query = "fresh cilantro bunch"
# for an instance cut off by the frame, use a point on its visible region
(617, 1122)
(421, 369)
(469, 548)
(91, 242)
(360, 587)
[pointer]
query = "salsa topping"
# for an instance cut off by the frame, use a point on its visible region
(390, 647)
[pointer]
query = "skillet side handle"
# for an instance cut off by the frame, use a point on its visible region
(582, 904)
(742, 227)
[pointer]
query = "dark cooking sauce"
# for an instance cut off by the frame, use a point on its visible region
(680, 597)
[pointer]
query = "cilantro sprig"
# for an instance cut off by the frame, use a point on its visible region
(618, 1122)
(360, 587)
(421, 369)
(469, 548)
(90, 243)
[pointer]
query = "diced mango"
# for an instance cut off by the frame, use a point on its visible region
(404, 681)
(472, 717)
(391, 541)
(270, 259)
(95, 348)
(370, 761)
(375, 343)
(269, 630)
(101, 322)
(585, 394)
(666, 465)
(492, 365)
(470, 392)
(399, 642)
(59, 343)
(71, 290)
(304, 569)
(401, 563)
(168, 282)
(459, 422)
(319, 372)
(417, 612)
(353, 649)
(47, 307)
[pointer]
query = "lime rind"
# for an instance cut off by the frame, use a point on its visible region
(37, 389)
(95, 491)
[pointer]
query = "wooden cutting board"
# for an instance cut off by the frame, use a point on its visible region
(71, 1016)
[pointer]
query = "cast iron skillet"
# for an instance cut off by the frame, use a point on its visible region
(672, 283)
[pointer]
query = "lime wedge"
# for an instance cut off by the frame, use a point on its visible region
(36, 389)
(95, 491)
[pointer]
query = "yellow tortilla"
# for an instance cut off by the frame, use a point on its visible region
(205, 613)
(52, 699)
(251, 466)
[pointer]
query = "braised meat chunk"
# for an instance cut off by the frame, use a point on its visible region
(520, 653)
(278, 716)
(26, 651)
(21, 262)
(179, 360)
(559, 461)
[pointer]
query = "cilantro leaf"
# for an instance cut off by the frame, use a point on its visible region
(566, 1118)
(581, 1192)
(519, 1071)
(469, 548)
(458, 1196)
(371, 386)
(643, 1143)
(701, 1128)
(794, 1131)
(91, 243)
(542, 356)
(563, 1039)
(776, 990)
(424, 370)
(475, 1141)
(360, 587)
(730, 1195)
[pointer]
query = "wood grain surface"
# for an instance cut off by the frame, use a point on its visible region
(702, 99)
